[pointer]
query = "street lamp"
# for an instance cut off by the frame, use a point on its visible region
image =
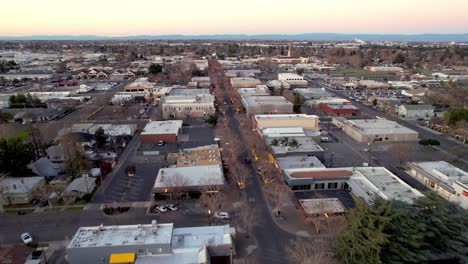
(209, 217)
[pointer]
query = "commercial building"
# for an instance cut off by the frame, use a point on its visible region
(416, 112)
(152, 243)
(391, 69)
(200, 156)
(140, 85)
(240, 82)
(445, 179)
(365, 182)
(294, 80)
(307, 122)
(180, 182)
(326, 100)
(295, 162)
(259, 90)
(312, 93)
(183, 106)
(285, 146)
(19, 190)
(340, 109)
(188, 92)
(374, 130)
(156, 131)
(262, 105)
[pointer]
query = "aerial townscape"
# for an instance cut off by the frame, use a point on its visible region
(219, 149)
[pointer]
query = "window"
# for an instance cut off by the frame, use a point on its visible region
(332, 185)
(319, 186)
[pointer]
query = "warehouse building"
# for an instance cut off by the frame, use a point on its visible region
(286, 146)
(365, 182)
(340, 109)
(156, 131)
(259, 90)
(152, 243)
(183, 106)
(294, 80)
(375, 130)
(240, 82)
(307, 122)
(312, 93)
(445, 179)
(262, 105)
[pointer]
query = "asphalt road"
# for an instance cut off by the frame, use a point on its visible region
(272, 240)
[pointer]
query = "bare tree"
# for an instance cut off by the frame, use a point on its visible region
(241, 175)
(248, 217)
(308, 251)
(176, 185)
(76, 161)
(279, 193)
(401, 151)
(213, 198)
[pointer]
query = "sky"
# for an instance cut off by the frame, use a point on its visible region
(194, 17)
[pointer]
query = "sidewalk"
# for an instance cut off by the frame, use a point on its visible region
(292, 220)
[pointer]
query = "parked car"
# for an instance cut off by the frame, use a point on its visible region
(43, 203)
(161, 208)
(27, 238)
(221, 215)
(248, 160)
(172, 207)
(161, 143)
(325, 139)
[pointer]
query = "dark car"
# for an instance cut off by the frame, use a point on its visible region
(248, 160)
(43, 203)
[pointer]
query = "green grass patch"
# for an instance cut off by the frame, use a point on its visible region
(23, 134)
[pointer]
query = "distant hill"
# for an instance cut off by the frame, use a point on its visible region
(297, 37)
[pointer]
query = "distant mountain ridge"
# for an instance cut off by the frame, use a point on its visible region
(297, 37)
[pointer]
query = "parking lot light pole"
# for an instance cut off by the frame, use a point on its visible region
(209, 217)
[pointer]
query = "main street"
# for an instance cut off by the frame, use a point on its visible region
(272, 240)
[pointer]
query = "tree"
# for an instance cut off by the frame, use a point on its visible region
(100, 138)
(293, 143)
(274, 142)
(76, 162)
(15, 155)
(279, 193)
(402, 151)
(399, 58)
(5, 117)
(212, 198)
(307, 251)
(362, 238)
(300, 71)
(155, 68)
(374, 102)
(213, 120)
(455, 115)
(297, 104)
(248, 216)
(176, 185)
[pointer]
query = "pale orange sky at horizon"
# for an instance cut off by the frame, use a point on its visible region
(145, 17)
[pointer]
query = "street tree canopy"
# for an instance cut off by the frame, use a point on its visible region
(431, 229)
(15, 155)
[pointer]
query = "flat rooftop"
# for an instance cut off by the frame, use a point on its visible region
(195, 176)
(322, 206)
(266, 100)
(304, 144)
(286, 117)
(443, 171)
(342, 106)
(19, 185)
(282, 131)
(122, 235)
(201, 156)
(385, 183)
(189, 92)
(162, 127)
(319, 173)
(294, 162)
(378, 126)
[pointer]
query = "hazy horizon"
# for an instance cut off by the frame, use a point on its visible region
(209, 17)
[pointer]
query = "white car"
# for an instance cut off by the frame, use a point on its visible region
(27, 238)
(171, 207)
(221, 215)
(325, 139)
(161, 143)
(161, 208)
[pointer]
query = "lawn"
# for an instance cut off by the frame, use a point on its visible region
(15, 211)
(76, 208)
(358, 73)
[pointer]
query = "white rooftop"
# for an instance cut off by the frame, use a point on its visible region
(162, 127)
(378, 126)
(304, 144)
(443, 171)
(282, 131)
(195, 176)
(266, 100)
(190, 92)
(19, 185)
(384, 183)
(294, 162)
(285, 116)
(122, 235)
